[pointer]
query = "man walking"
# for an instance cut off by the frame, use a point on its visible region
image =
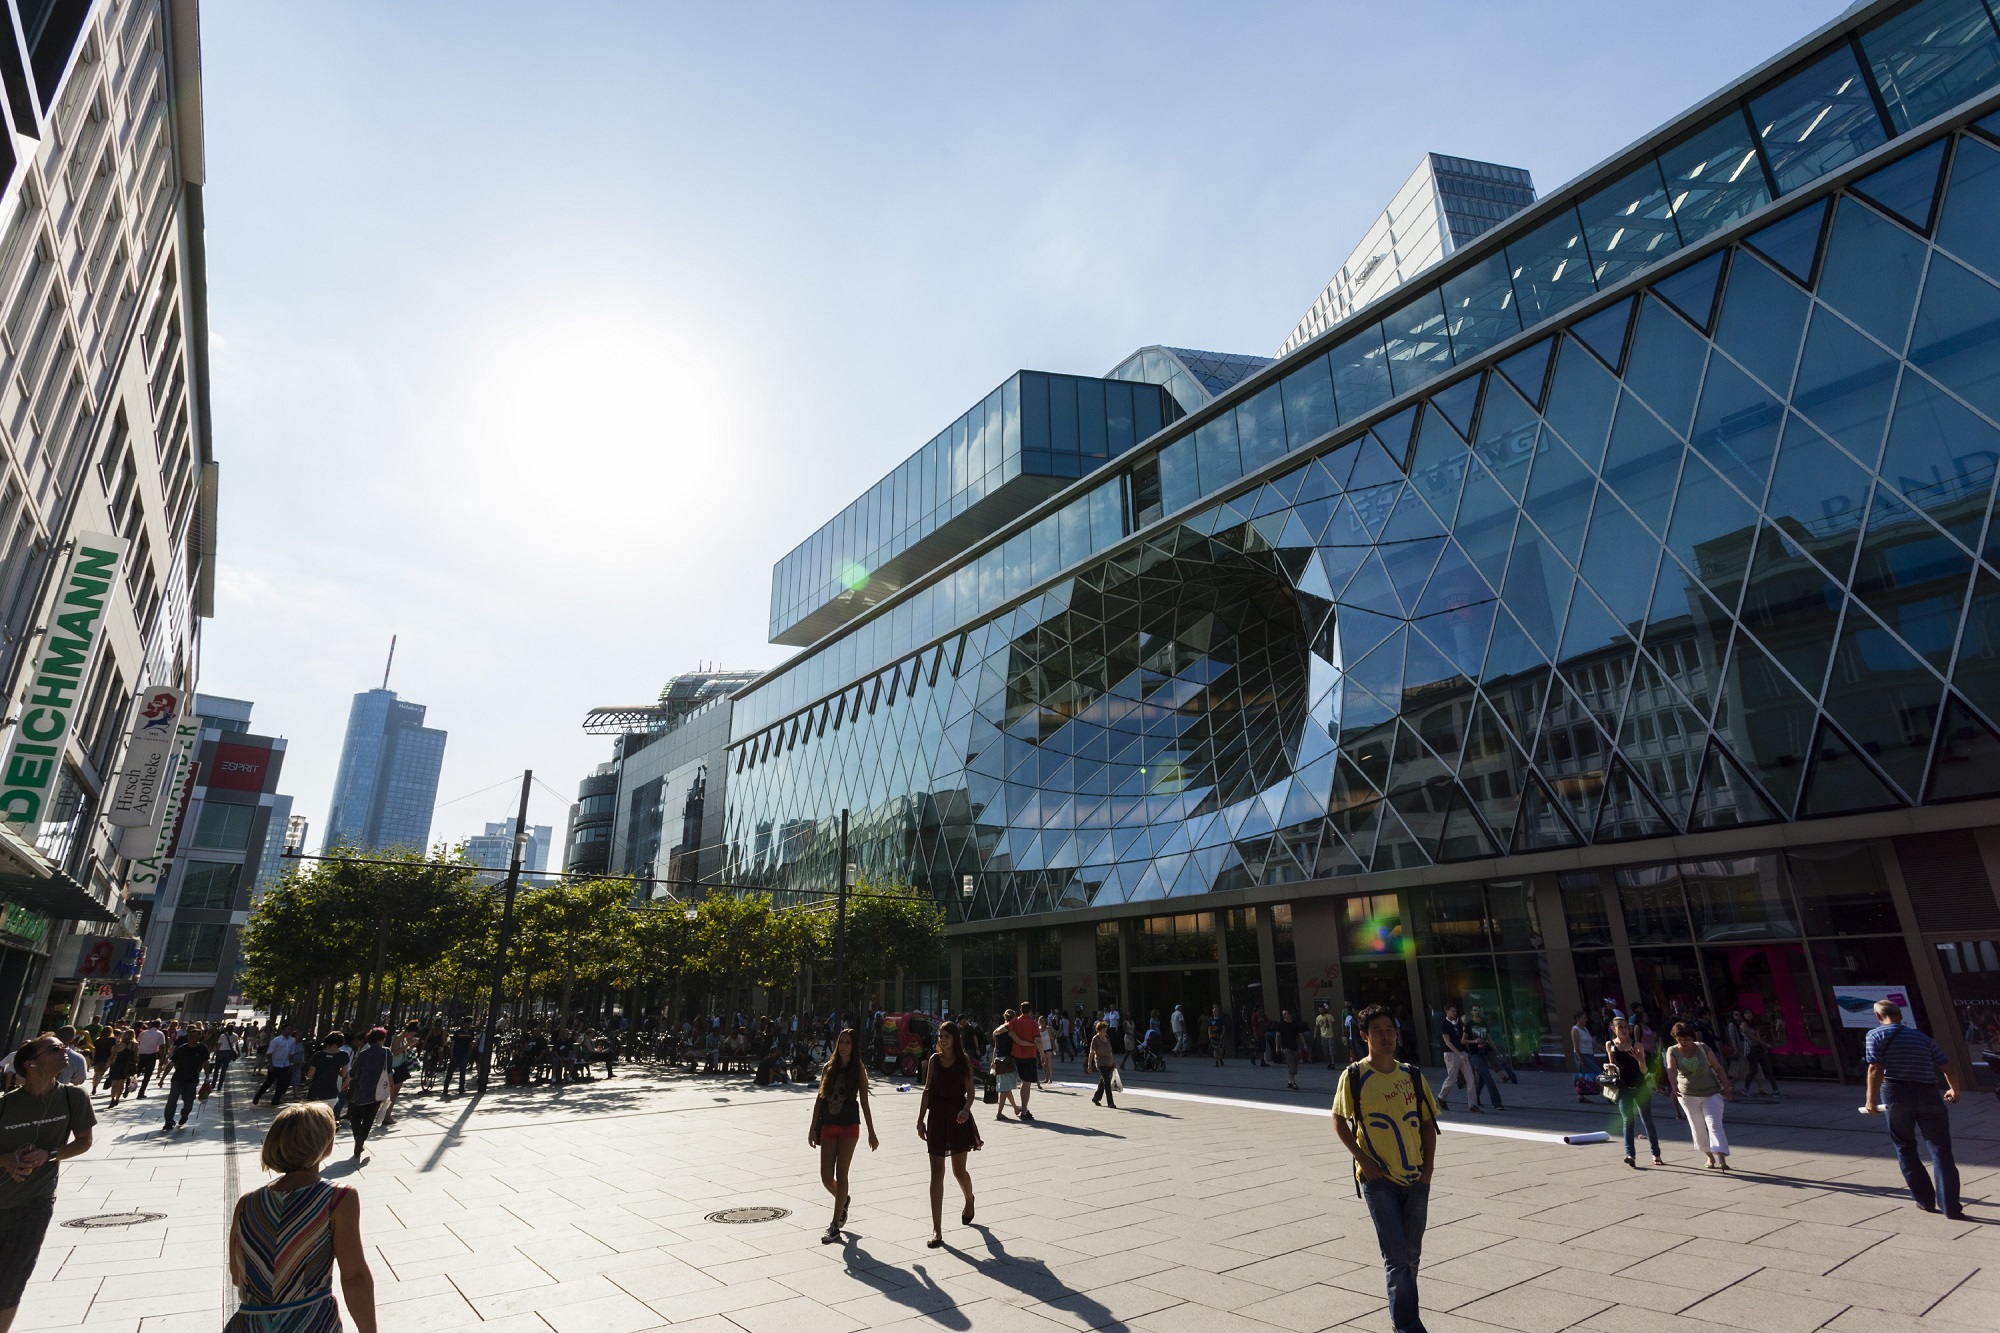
(1387, 1120)
(1026, 1032)
(1323, 1032)
(1457, 1067)
(41, 1122)
(1291, 1039)
(281, 1053)
(189, 1058)
(460, 1059)
(1903, 1065)
(151, 1042)
(1218, 1033)
(227, 1047)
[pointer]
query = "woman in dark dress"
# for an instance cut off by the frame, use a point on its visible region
(946, 1124)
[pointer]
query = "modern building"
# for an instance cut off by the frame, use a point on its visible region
(385, 789)
(221, 851)
(494, 848)
(655, 811)
(1611, 614)
(105, 437)
(587, 841)
(1447, 203)
(271, 864)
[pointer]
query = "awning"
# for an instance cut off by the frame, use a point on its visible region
(32, 880)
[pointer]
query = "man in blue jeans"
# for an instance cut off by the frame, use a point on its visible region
(1386, 1118)
(1903, 1065)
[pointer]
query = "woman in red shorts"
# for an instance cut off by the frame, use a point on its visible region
(945, 1123)
(836, 1125)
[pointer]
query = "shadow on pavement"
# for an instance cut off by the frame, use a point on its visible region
(928, 1299)
(1032, 1277)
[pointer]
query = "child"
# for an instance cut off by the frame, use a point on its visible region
(286, 1236)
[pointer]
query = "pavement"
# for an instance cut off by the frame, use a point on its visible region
(1209, 1201)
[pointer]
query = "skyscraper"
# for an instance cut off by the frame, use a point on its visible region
(386, 787)
(494, 849)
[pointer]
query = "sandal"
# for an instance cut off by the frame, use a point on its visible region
(935, 1243)
(965, 1218)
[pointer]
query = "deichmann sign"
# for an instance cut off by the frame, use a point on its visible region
(146, 776)
(151, 847)
(34, 752)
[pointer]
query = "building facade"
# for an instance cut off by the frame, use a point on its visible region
(104, 430)
(1447, 203)
(1611, 615)
(220, 853)
(587, 841)
(494, 849)
(385, 789)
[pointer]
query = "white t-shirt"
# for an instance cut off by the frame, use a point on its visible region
(1585, 1043)
(151, 1040)
(282, 1051)
(1180, 1023)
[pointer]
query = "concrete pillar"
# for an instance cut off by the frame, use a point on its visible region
(1024, 966)
(1079, 968)
(1555, 942)
(1316, 932)
(1267, 964)
(1928, 981)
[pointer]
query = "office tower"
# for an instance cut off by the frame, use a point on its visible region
(386, 786)
(494, 849)
(104, 309)
(1445, 204)
(1608, 616)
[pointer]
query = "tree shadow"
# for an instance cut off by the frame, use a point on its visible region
(449, 1139)
(1083, 1131)
(927, 1298)
(1033, 1277)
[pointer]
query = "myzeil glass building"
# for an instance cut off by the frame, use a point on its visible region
(1610, 615)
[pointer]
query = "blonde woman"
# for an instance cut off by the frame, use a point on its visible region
(286, 1236)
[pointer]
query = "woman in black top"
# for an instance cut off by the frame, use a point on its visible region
(836, 1126)
(945, 1123)
(1635, 1092)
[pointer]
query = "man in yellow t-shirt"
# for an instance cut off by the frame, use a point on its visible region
(1386, 1118)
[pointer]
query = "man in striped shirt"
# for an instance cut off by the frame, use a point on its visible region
(1903, 1065)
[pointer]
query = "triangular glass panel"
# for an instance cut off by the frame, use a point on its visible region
(1396, 848)
(1840, 781)
(1725, 797)
(1885, 698)
(1506, 442)
(1526, 370)
(1967, 763)
(1618, 562)
(1591, 632)
(1454, 584)
(1424, 667)
(1371, 590)
(1537, 588)
(1350, 787)
(1361, 630)
(1765, 721)
(1422, 807)
(1511, 654)
(1582, 398)
(1692, 290)
(1494, 769)
(1412, 519)
(1457, 403)
(1604, 332)
(1628, 810)
(1487, 519)
(1395, 432)
(1793, 243)
(1540, 825)
(1369, 753)
(1464, 837)
(1357, 826)
(1374, 467)
(1908, 186)
(1912, 577)
(1438, 467)
(1410, 564)
(1461, 633)
(1792, 608)
(1571, 752)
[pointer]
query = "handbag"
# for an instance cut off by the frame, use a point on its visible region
(1003, 1064)
(819, 1117)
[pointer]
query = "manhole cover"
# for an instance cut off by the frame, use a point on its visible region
(96, 1220)
(740, 1215)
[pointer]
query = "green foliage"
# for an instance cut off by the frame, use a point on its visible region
(890, 927)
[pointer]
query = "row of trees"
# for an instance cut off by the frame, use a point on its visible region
(376, 938)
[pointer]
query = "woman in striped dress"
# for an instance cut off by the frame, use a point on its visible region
(286, 1236)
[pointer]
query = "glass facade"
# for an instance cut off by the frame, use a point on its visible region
(1018, 446)
(1524, 565)
(386, 787)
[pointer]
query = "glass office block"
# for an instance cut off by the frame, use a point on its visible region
(1309, 403)
(1713, 177)
(1912, 577)
(1971, 202)
(1908, 187)
(1792, 607)
(1930, 57)
(1618, 560)
(1558, 498)
(1604, 332)
(1665, 363)
(1456, 403)
(1528, 370)
(1765, 722)
(1763, 319)
(1956, 338)
(1792, 243)
(1260, 427)
(1507, 438)
(1712, 531)
(1692, 290)
(1872, 271)
(1360, 373)
(1816, 119)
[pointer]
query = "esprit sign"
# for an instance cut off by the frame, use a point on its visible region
(238, 767)
(48, 715)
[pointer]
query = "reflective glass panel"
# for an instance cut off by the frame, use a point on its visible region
(1912, 577)
(1817, 119)
(1360, 373)
(1580, 401)
(1418, 348)
(1844, 384)
(1762, 318)
(1817, 495)
(1736, 427)
(1309, 410)
(1941, 457)
(1957, 335)
(1885, 699)
(1971, 202)
(1642, 462)
(1260, 427)
(1551, 268)
(1664, 365)
(1713, 177)
(1931, 57)
(1871, 272)
(1628, 224)
(1479, 308)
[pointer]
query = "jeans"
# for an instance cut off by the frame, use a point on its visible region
(1482, 1077)
(1922, 1111)
(362, 1119)
(181, 1090)
(148, 1066)
(1399, 1213)
(454, 1068)
(1636, 1108)
(279, 1080)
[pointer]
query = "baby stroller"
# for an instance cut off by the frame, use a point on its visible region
(1151, 1056)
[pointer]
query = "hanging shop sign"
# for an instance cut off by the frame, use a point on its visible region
(33, 761)
(151, 848)
(146, 776)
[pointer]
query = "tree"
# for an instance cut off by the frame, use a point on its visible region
(891, 928)
(574, 932)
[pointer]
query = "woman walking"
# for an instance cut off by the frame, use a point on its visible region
(1626, 1054)
(124, 1065)
(403, 1053)
(285, 1237)
(1006, 1075)
(1103, 1062)
(945, 1124)
(1703, 1086)
(838, 1111)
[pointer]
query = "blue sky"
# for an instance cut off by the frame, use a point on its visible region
(542, 331)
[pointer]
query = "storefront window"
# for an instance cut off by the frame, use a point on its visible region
(1239, 931)
(1772, 984)
(1841, 891)
(1465, 982)
(1972, 974)
(1587, 914)
(1669, 984)
(1451, 920)
(1655, 907)
(1524, 1006)
(1107, 953)
(1510, 913)
(1186, 938)
(1373, 925)
(1046, 953)
(1865, 965)
(1597, 981)
(1282, 948)
(1737, 899)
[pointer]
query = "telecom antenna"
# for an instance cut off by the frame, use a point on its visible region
(391, 662)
